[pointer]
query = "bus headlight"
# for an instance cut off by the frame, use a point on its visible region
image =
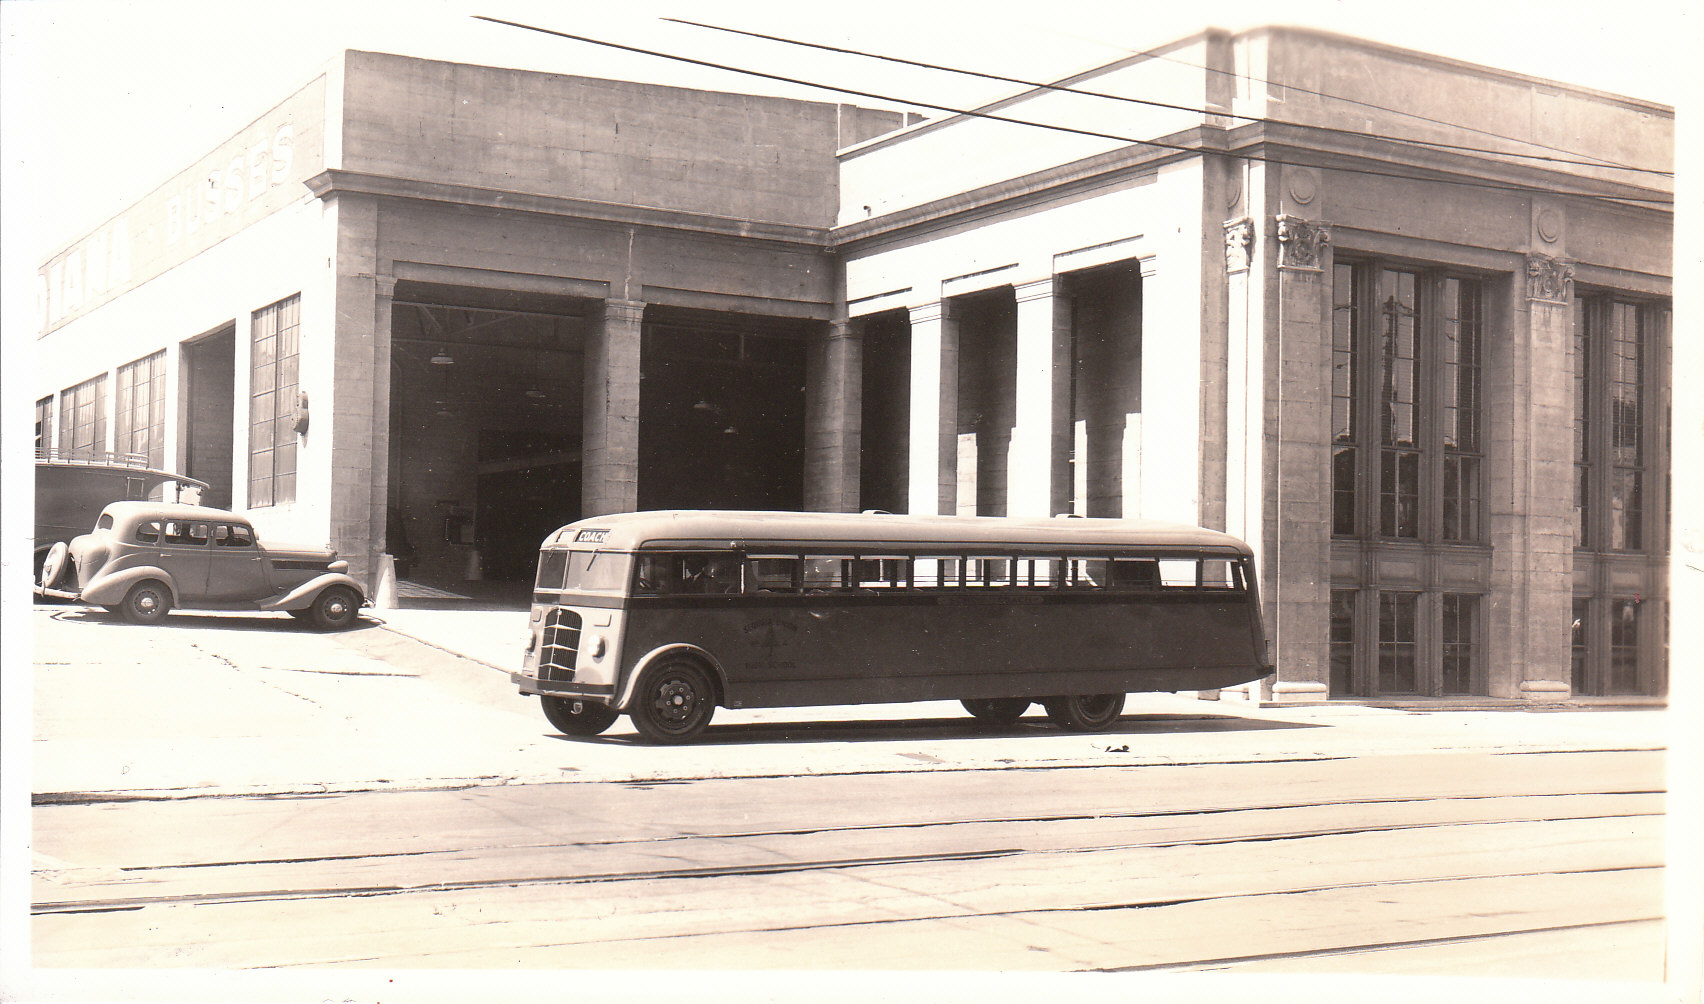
(598, 647)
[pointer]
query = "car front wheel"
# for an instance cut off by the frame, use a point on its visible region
(335, 608)
(147, 602)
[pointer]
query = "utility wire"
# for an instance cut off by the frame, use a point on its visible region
(1598, 162)
(972, 113)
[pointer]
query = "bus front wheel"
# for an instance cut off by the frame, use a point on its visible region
(673, 702)
(1085, 712)
(996, 710)
(578, 718)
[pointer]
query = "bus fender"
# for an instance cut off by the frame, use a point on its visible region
(664, 651)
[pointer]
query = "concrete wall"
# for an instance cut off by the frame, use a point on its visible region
(610, 141)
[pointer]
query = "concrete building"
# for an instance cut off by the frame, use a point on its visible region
(1399, 321)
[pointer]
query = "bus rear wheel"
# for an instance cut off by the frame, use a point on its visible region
(996, 710)
(1085, 712)
(673, 702)
(574, 717)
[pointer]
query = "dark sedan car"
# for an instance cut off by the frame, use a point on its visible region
(144, 558)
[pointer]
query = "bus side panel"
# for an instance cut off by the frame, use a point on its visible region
(815, 650)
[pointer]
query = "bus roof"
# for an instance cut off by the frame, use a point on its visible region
(873, 532)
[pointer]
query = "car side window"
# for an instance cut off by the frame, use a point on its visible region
(148, 533)
(186, 534)
(233, 535)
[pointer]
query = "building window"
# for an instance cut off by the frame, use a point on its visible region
(1458, 639)
(44, 426)
(82, 418)
(1342, 642)
(1406, 377)
(1398, 642)
(1578, 678)
(272, 400)
(1624, 645)
(140, 420)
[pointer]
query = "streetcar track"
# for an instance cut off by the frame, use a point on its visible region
(779, 868)
(1232, 961)
(807, 831)
(493, 781)
(923, 918)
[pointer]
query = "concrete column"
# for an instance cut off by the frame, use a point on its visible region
(1298, 453)
(1163, 479)
(833, 395)
(934, 409)
(1038, 468)
(1529, 483)
(610, 453)
(384, 293)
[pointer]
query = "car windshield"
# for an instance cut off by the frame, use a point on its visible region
(583, 571)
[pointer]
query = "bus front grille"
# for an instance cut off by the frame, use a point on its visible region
(561, 643)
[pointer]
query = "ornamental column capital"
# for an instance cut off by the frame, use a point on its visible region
(1549, 279)
(1302, 243)
(1239, 244)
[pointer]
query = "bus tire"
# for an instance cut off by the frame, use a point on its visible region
(1085, 712)
(996, 710)
(147, 602)
(673, 702)
(574, 717)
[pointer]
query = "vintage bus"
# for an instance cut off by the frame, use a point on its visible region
(665, 616)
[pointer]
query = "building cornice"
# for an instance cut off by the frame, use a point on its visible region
(1098, 171)
(333, 183)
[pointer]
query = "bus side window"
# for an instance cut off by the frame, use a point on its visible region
(1220, 573)
(773, 574)
(1179, 573)
(657, 574)
(1138, 573)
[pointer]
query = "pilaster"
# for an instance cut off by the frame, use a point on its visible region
(1298, 453)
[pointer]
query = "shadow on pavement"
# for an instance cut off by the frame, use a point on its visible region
(891, 730)
(273, 621)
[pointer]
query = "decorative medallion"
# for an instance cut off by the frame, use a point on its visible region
(1239, 244)
(1549, 225)
(1303, 187)
(1550, 280)
(1301, 243)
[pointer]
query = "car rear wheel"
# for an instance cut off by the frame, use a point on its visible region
(574, 717)
(147, 602)
(996, 710)
(1085, 712)
(335, 608)
(673, 702)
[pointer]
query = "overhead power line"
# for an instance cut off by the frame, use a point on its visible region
(1597, 162)
(974, 113)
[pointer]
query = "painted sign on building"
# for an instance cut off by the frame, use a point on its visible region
(250, 176)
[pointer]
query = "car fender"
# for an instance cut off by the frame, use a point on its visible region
(661, 652)
(108, 589)
(302, 597)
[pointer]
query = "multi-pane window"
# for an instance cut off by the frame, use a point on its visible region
(1580, 649)
(1398, 641)
(1458, 617)
(1623, 645)
(1342, 630)
(272, 388)
(82, 418)
(44, 425)
(1611, 371)
(1407, 370)
(139, 422)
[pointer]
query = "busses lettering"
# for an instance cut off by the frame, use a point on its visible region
(591, 536)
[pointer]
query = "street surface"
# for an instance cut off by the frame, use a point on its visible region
(233, 792)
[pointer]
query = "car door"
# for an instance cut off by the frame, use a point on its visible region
(236, 569)
(184, 553)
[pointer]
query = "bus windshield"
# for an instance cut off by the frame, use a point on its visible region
(583, 571)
